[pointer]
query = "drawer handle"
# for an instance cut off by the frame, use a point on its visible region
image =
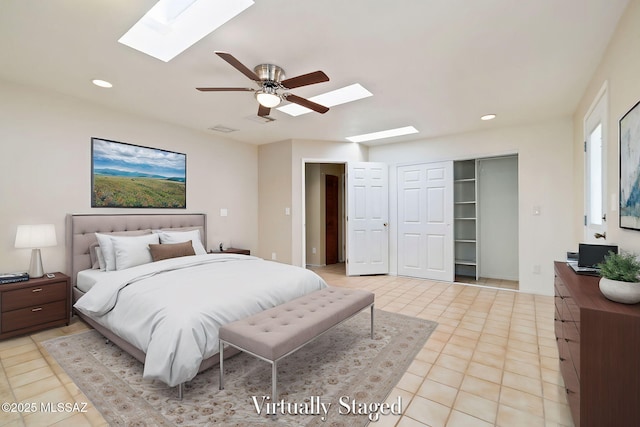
(562, 359)
(36, 290)
(36, 309)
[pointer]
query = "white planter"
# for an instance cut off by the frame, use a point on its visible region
(624, 292)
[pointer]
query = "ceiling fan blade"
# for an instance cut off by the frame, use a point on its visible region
(238, 65)
(225, 89)
(305, 80)
(263, 111)
(306, 103)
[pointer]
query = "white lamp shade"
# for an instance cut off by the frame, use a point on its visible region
(268, 100)
(36, 236)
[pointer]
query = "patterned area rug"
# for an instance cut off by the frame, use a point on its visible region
(336, 380)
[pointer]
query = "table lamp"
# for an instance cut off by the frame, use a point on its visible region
(35, 237)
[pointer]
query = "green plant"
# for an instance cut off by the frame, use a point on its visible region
(623, 267)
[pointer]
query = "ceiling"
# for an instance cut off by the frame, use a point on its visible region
(435, 64)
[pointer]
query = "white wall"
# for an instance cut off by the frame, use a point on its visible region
(498, 217)
(620, 70)
(45, 162)
(274, 199)
(282, 186)
(544, 176)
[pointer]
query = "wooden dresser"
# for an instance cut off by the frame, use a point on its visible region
(599, 347)
(35, 304)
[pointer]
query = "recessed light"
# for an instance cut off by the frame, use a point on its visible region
(101, 83)
(488, 117)
(329, 99)
(407, 130)
(172, 26)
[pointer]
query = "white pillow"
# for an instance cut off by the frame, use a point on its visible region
(100, 257)
(132, 251)
(184, 236)
(107, 251)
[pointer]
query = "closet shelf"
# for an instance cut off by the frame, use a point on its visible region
(465, 219)
(465, 180)
(465, 240)
(468, 202)
(465, 262)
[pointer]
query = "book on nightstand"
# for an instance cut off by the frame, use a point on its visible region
(13, 277)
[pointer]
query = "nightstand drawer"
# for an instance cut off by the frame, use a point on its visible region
(33, 295)
(34, 315)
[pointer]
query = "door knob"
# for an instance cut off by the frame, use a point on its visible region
(385, 224)
(600, 236)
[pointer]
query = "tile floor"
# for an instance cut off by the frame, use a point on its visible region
(492, 360)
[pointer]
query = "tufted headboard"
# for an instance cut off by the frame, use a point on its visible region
(80, 229)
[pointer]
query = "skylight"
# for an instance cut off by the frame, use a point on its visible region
(329, 99)
(407, 130)
(172, 26)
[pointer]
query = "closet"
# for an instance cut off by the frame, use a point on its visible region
(465, 217)
(476, 207)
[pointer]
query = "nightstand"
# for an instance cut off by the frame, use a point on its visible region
(34, 304)
(232, 251)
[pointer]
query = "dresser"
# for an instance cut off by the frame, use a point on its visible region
(599, 347)
(34, 304)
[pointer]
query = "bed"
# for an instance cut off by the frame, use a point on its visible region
(166, 313)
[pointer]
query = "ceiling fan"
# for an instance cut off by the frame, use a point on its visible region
(270, 79)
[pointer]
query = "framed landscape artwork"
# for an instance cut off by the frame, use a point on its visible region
(630, 169)
(130, 176)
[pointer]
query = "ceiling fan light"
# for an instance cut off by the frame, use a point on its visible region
(268, 100)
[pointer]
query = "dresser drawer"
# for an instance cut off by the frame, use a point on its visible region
(34, 315)
(33, 296)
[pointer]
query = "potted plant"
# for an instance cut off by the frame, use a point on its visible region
(620, 281)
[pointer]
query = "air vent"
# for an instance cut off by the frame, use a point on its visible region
(223, 129)
(261, 119)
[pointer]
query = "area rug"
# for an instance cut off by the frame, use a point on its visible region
(340, 379)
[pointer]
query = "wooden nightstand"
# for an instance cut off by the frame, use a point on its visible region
(232, 251)
(34, 305)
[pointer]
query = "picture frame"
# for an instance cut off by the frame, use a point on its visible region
(133, 176)
(629, 134)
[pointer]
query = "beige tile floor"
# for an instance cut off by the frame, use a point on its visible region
(492, 360)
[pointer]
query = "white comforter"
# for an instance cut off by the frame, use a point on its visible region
(172, 309)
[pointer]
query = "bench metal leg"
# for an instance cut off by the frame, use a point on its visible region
(180, 391)
(371, 321)
(274, 381)
(221, 366)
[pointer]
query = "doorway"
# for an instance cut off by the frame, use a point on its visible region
(324, 204)
(595, 170)
(332, 217)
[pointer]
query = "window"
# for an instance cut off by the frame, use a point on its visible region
(594, 158)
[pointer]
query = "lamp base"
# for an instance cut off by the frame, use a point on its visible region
(35, 268)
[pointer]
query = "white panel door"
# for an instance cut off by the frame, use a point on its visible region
(367, 219)
(425, 218)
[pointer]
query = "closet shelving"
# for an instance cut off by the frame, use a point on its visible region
(465, 218)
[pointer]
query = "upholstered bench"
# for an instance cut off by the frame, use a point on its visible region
(277, 332)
